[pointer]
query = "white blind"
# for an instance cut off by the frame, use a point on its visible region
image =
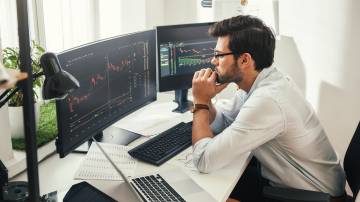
(8, 22)
(63, 24)
(68, 23)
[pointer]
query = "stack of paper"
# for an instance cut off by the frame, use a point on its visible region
(95, 166)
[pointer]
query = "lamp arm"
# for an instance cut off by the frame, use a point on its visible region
(6, 94)
(7, 98)
(37, 75)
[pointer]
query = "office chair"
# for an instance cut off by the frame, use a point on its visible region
(352, 170)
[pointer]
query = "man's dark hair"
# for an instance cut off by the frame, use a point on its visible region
(247, 34)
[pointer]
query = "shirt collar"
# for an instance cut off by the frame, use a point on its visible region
(261, 76)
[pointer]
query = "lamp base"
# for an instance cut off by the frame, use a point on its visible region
(15, 192)
(18, 192)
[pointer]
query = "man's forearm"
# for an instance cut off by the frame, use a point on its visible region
(201, 126)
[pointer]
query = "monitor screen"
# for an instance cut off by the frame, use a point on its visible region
(182, 50)
(117, 76)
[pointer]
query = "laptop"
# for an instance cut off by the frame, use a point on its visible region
(172, 185)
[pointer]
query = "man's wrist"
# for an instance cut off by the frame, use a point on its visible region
(197, 107)
(203, 102)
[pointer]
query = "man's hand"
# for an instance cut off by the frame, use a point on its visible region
(204, 86)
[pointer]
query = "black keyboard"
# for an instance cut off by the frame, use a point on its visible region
(164, 146)
(155, 188)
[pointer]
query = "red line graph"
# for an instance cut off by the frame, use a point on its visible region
(94, 80)
(118, 67)
(76, 100)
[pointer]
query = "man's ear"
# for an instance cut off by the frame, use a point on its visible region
(246, 58)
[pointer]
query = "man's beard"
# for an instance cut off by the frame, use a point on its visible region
(233, 75)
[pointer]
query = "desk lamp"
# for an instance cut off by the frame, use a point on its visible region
(57, 85)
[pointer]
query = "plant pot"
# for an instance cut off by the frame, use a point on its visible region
(17, 120)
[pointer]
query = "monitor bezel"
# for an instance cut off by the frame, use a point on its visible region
(61, 105)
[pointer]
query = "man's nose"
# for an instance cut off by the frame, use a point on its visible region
(214, 61)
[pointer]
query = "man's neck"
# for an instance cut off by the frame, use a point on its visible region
(248, 81)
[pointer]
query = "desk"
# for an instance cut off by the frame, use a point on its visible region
(57, 174)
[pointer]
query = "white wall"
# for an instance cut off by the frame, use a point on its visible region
(155, 13)
(133, 15)
(120, 17)
(326, 35)
(180, 11)
(108, 15)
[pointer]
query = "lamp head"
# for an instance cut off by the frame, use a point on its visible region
(58, 83)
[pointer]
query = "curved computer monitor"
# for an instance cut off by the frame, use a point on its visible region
(182, 50)
(117, 76)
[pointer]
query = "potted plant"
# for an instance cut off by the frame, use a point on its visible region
(11, 60)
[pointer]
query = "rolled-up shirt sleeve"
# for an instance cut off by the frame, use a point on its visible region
(260, 119)
(198, 151)
(227, 111)
(218, 124)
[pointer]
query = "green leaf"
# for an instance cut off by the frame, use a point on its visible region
(11, 60)
(41, 49)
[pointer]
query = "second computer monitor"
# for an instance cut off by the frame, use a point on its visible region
(182, 50)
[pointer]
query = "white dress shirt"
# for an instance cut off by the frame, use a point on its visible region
(279, 126)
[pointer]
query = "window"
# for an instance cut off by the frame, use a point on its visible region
(68, 23)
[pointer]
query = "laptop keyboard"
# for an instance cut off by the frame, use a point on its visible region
(155, 188)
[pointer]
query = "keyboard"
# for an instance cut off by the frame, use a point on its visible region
(164, 146)
(155, 188)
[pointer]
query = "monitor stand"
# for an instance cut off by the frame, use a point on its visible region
(181, 99)
(113, 135)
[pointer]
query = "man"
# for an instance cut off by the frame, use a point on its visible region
(267, 116)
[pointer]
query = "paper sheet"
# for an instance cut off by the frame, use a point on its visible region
(95, 166)
(153, 119)
(184, 159)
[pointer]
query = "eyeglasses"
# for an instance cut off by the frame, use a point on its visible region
(222, 55)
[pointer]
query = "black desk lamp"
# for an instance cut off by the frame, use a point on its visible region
(57, 85)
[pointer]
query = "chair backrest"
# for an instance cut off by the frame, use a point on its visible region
(352, 162)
